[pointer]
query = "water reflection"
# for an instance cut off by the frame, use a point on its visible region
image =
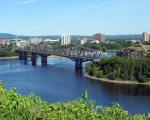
(125, 89)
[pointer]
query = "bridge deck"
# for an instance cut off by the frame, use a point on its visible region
(77, 52)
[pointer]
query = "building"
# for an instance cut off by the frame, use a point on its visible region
(95, 41)
(83, 41)
(2, 42)
(35, 40)
(65, 39)
(135, 41)
(50, 40)
(100, 37)
(145, 37)
(21, 43)
(146, 47)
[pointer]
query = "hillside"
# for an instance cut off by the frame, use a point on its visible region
(124, 37)
(7, 36)
(74, 37)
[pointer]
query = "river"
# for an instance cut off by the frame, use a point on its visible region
(59, 82)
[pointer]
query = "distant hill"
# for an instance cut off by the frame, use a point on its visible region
(7, 36)
(110, 37)
(123, 37)
(74, 37)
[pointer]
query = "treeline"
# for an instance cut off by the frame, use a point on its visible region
(117, 45)
(147, 43)
(13, 106)
(7, 50)
(121, 68)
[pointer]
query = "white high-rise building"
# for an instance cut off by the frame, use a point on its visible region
(145, 37)
(65, 39)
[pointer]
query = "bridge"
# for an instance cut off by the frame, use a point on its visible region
(78, 54)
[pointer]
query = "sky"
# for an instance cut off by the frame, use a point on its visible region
(77, 17)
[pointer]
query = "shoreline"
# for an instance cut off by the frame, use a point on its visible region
(53, 56)
(9, 58)
(115, 81)
(17, 57)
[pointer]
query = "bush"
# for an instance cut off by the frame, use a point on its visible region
(111, 76)
(99, 74)
(13, 106)
(7, 50)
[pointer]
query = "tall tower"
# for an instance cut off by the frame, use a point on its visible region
(65, 39)
(145, 37)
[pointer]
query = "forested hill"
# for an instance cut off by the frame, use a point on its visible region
(74, 37)
(7, 36)
(124, 37)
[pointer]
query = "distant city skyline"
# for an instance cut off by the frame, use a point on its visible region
(79, 17)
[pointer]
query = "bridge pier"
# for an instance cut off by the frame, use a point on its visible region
(78, 64)
(44, 60)
(20, 55)
(33, 59)
(24, 56)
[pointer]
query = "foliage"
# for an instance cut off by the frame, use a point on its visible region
(13, 106)
(146, 43)
(7, 50)
(101, 46)
(121, 68)
(108, 46)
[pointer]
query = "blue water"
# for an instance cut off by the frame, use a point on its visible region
(59, 82)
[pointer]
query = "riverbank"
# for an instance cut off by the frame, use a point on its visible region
(53, 56)
(16, 57)
(7, 58)
(115, 81)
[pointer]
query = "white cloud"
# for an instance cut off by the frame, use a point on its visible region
(27, 2)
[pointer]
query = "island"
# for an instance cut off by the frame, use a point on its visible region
(120, 70)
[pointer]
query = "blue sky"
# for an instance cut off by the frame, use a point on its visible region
(84, 17)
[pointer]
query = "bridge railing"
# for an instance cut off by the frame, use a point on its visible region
(76, 51)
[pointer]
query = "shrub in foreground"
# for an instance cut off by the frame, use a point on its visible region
(13, 106)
